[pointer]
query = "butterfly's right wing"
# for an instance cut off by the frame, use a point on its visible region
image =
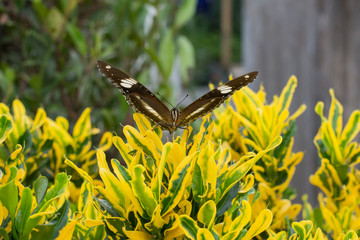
(213, 99)
(140, 98)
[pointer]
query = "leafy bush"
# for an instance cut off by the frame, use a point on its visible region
(230, 181)
(50, 48)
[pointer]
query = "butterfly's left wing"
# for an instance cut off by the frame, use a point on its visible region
(213, 99)
(140, 98)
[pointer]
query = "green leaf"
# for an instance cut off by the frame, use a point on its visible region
(238, 170)
(26, 140)
(62, 218)
(78, 38)
(189, 226)
(9, 195)
(51, 229)
(167, 53)
(226, 201)
(40, 187)
(108, 207)
(5, 128)
(55, 20)
(115, 193)
(33, 221)
(287, 135)
(156, 186)
(197, 184)
(186, 55)
(351, 235)
(206, 214)
(61, 184)
(24, 210)
(40, 8)
(299, 229)
(335, 114)
(185, 12)
(69, 6)
(4, 234)
(318, 218)
(351, 129)
(177, 184)
(141, 191)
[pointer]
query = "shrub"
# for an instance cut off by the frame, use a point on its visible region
(230, 181)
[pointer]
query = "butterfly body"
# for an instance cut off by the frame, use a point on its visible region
(142, 100)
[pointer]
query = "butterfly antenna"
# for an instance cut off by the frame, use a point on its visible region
(165, 99)
(182, 100)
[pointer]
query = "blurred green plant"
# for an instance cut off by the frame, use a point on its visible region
(49, 50)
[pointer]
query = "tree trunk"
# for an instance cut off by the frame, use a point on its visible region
(319, 42)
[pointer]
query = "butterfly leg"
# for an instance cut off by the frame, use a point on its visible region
(156, 125)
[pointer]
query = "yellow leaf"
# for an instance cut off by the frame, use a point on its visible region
(93, 223)
(84, 174)
(262, 222)
(101, 159)
(123, 149)
(287, 94)
(142, 123)
(248, 184)
(243, 219)
(136, 235)
(204, 234)
(106, 141)
(19, 112)
(39, 120)
(206, 214)
(156, 223)
(67, 232)
(15, 154)
(138, 141)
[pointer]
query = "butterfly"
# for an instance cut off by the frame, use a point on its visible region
(142, 100)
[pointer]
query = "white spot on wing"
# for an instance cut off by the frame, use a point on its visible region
(108, 67)
(246, 76)
(125, 85)
(129, 81)
(224, 89)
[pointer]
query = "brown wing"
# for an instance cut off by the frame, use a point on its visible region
(140, 98)
(213, 99)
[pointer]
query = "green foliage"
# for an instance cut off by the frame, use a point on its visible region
(250, 126)
(49, 52)
(174, 190)
(31, 216)
(338, 178)
(224, 183)
(39, 145)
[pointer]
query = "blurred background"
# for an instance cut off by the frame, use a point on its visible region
(49, 49)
